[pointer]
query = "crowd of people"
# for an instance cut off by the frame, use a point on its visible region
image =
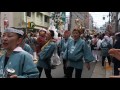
(29, 54)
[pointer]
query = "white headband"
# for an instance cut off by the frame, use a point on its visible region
(14, 31)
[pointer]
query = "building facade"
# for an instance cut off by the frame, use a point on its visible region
(90, 22)
(113, 21)
(19, 19)
(82, 16)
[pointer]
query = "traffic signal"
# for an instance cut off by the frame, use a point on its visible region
(29, 24)
(103, 18)
(32, 24)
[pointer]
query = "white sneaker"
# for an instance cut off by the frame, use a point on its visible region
(97, 60)
(106, 60)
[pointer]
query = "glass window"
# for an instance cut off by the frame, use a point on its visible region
(46, 19)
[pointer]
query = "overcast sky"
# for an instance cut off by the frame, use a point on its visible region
(98, 17)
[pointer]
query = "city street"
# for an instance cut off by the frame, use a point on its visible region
(58, 72)
(77, 35)
(96, 71)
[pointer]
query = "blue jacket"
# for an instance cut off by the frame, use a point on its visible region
(28, 49)
(105, 47)
(45, 55)
(63, 44)
(22, 63)
(75, 52)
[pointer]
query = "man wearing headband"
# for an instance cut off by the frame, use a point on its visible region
(15, 58)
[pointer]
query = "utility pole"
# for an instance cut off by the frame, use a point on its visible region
(116, 22)
(70, 21)
(109, 18)
(26, 23)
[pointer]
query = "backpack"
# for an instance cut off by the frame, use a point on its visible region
(106, 44)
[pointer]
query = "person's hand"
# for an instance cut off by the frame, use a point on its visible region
(88, 66)
(115, 53)
(13, 76)
(114, 76)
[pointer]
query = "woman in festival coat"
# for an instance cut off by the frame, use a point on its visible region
(15, 58)
(76, 50)
(45, 55)
(62, 47)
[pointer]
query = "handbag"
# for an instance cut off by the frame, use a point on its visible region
(55, 59)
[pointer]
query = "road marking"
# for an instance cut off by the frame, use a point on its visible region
(107, 67)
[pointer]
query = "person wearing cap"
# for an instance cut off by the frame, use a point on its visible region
(62, 46)
(115, 60)
(15, 58)
(44, 61)
(76, 49)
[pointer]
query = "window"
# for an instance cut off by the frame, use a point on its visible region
(29, 14)
(46, 19)
(40, 16)
(37, 14)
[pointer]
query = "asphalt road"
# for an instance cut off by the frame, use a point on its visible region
(58, 72)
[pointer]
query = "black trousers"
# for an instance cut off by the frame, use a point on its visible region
(64, 67)
(47, 72)
(103, 60)
(78, 72)
(116, 66)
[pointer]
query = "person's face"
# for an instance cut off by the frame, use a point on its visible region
(76, 35)
(66, 35)
(42, 33)
(48, 36)
(11, 40)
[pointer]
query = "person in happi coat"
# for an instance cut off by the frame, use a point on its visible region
(76, 50)
(45, 55)
(15, 59)
(62, 46)
(40, 40)
(26, 47)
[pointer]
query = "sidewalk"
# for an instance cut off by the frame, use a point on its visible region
(102, 72)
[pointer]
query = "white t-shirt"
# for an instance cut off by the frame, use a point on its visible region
(99, 43)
